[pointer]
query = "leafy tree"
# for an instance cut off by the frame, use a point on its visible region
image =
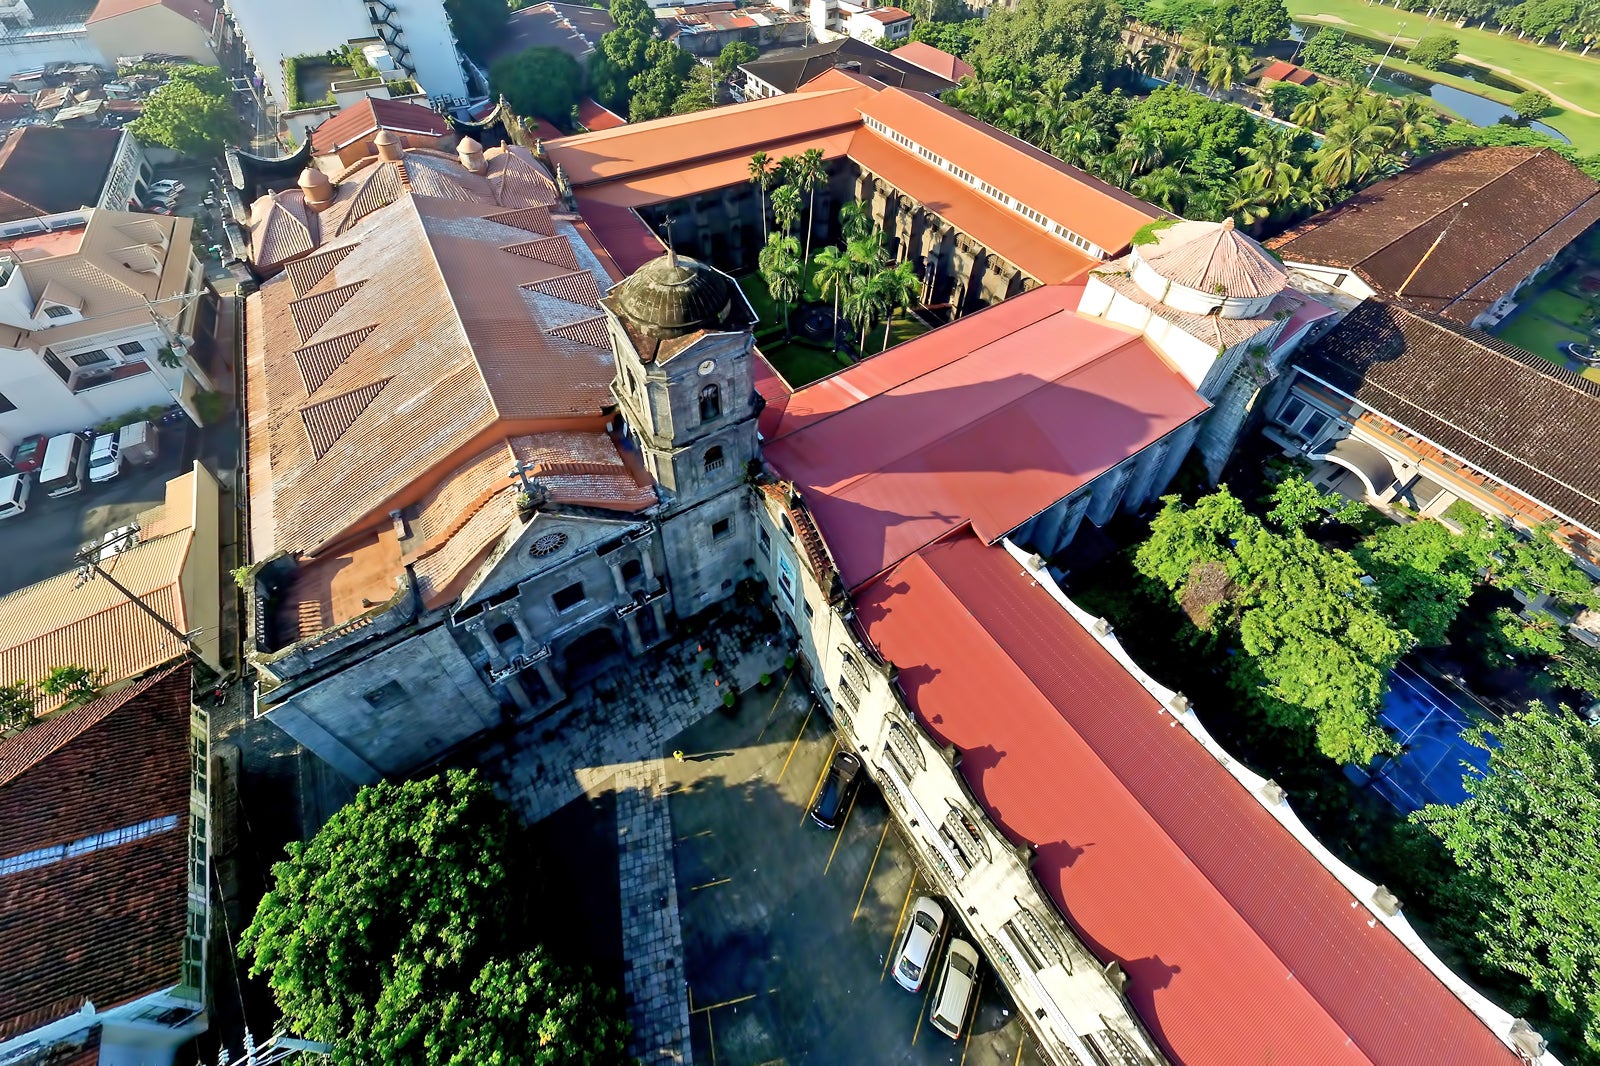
(699, 91)
(1315, 649)
(16, 707)
(192, 114)
(1074, 40)
(733, 56)
(779, 263)
(478, 24)
(1540, 18)
(1329, 52)
(71, 684)
(957, 38)
(1297, 504)
(1434, 50)
(1527, 842)
(622, 54)
(1285, 97)
(546, 82)
(1425, 573)
(381, 930)
(1531, 105)
(1255, 21)
(657, 87)
(530, 1010)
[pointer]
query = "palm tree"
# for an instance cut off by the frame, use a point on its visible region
(785, 207)
(1142, 145)
(1345, 99)
(833, 271)
(1165, 187)
(854, 220)
(897, 287)
(1271, 168)
(810, 172)
(1249, 202)
(1348, 153)
(74, 684)
(1202, 42)
(1151, 60)
(1412, 124)
(1078, 143)
(861, 298)
(780, 269)
(1050, 103)
(1311, 112)
(1226, 65)
(761, 176)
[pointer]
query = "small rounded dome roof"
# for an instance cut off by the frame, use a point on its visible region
(468, 146)
(1214, 257)
(385, 137)
(312, 178)
(673, 295)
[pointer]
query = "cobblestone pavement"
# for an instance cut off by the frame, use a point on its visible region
(613, 734)
(652, 938)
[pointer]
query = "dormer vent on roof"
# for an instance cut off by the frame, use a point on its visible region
(389, 147)
(470, 152)
(315, 188)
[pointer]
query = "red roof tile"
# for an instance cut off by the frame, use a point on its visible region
(593, 116)
(1239, 945)
(989, 420)
(106, 924)
(369, 116)
(934, 60)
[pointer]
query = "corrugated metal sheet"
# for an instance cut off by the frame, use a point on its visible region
(304, 274)
(312, 312)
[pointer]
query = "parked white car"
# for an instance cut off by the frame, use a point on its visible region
(919, 944)
(105, 458)
(953, 995)
(14, 489)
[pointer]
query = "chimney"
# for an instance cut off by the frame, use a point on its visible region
(316, 189)
(389, 147)
(470, 153)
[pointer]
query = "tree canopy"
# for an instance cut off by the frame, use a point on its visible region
(1433, 50)
(654, 91)
(380, 933)
(1073, 41)
(1330, 52)
(734, 55)
(1242, 21)
(478, 24)
(1527, 842)
(1531, 105)
(1425, 573)
(1314, 648)
(192, 114)
(545, 82)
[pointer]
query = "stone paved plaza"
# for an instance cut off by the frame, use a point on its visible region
(613, 735)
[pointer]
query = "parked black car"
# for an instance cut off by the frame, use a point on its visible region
(843, 777)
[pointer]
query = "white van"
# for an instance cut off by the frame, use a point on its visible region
(953, 995)
(14, 494)
(66, 458)
(105, 458)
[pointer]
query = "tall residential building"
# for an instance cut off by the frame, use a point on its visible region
(416, 34)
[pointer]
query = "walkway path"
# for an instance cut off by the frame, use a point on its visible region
(652, 937)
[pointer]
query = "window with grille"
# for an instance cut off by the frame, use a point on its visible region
(713, 459)
(131, 347)
(57, 311)
(90, 358)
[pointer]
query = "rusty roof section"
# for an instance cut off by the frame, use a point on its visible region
(1456, 232)
(403, 345)
(366, 117)
(1214, 257)
(104, 921)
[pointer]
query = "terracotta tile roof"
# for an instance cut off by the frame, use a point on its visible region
(53, 623)
(1239, 945)
(1503, 212)
(432, 324)
(573, 28)
(988, 420)
(45, 170)
(107, 924)
(366, 117)
(888, 14)
(938, 61)
(1214, 329)
(200, 12)
(1282, 71)
(1515, 416)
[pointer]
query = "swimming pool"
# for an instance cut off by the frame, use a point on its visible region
(1433, 757)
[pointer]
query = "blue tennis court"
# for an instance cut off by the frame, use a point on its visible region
(1433, 755)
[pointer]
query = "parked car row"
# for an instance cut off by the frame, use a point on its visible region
(919, 945)
(162, 197)
(62, 464)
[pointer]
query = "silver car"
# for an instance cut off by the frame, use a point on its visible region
(919, 944)
(957, 983)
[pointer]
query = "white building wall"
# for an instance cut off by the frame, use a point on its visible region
(40, 46)
(277, 29)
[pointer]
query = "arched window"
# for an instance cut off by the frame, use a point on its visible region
(713, 460)
(788, 526)
(710, 403)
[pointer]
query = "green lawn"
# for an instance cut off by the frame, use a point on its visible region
(1542, 336)
(802, 362)
(1561, 74)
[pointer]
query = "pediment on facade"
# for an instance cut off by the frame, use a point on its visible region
(549, 541)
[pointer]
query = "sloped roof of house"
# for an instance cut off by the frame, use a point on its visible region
(105, 920)
(202, 13)
(788, 69)
(843, 114)
(435, 314)
(937, 60)
(1239, 944)
(371, 114)
(987, 421)
(887, 15)
(45, 170)
(1511, 414)
(573, 28)
(1453, 233)
(592, 115)
(55, 622)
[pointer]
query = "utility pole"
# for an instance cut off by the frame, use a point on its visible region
(1392, 41)
(89, 569)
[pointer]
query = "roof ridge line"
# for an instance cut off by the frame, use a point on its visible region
(1457, 202)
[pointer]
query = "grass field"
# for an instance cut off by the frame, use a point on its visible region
(800, 361)
(1567, 75)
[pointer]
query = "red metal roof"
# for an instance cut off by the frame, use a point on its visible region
(371, 115)
(990, 420)
(1241, 947)
(594, 116)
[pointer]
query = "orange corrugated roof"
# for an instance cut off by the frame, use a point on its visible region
(594, 116)
(934, 59)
